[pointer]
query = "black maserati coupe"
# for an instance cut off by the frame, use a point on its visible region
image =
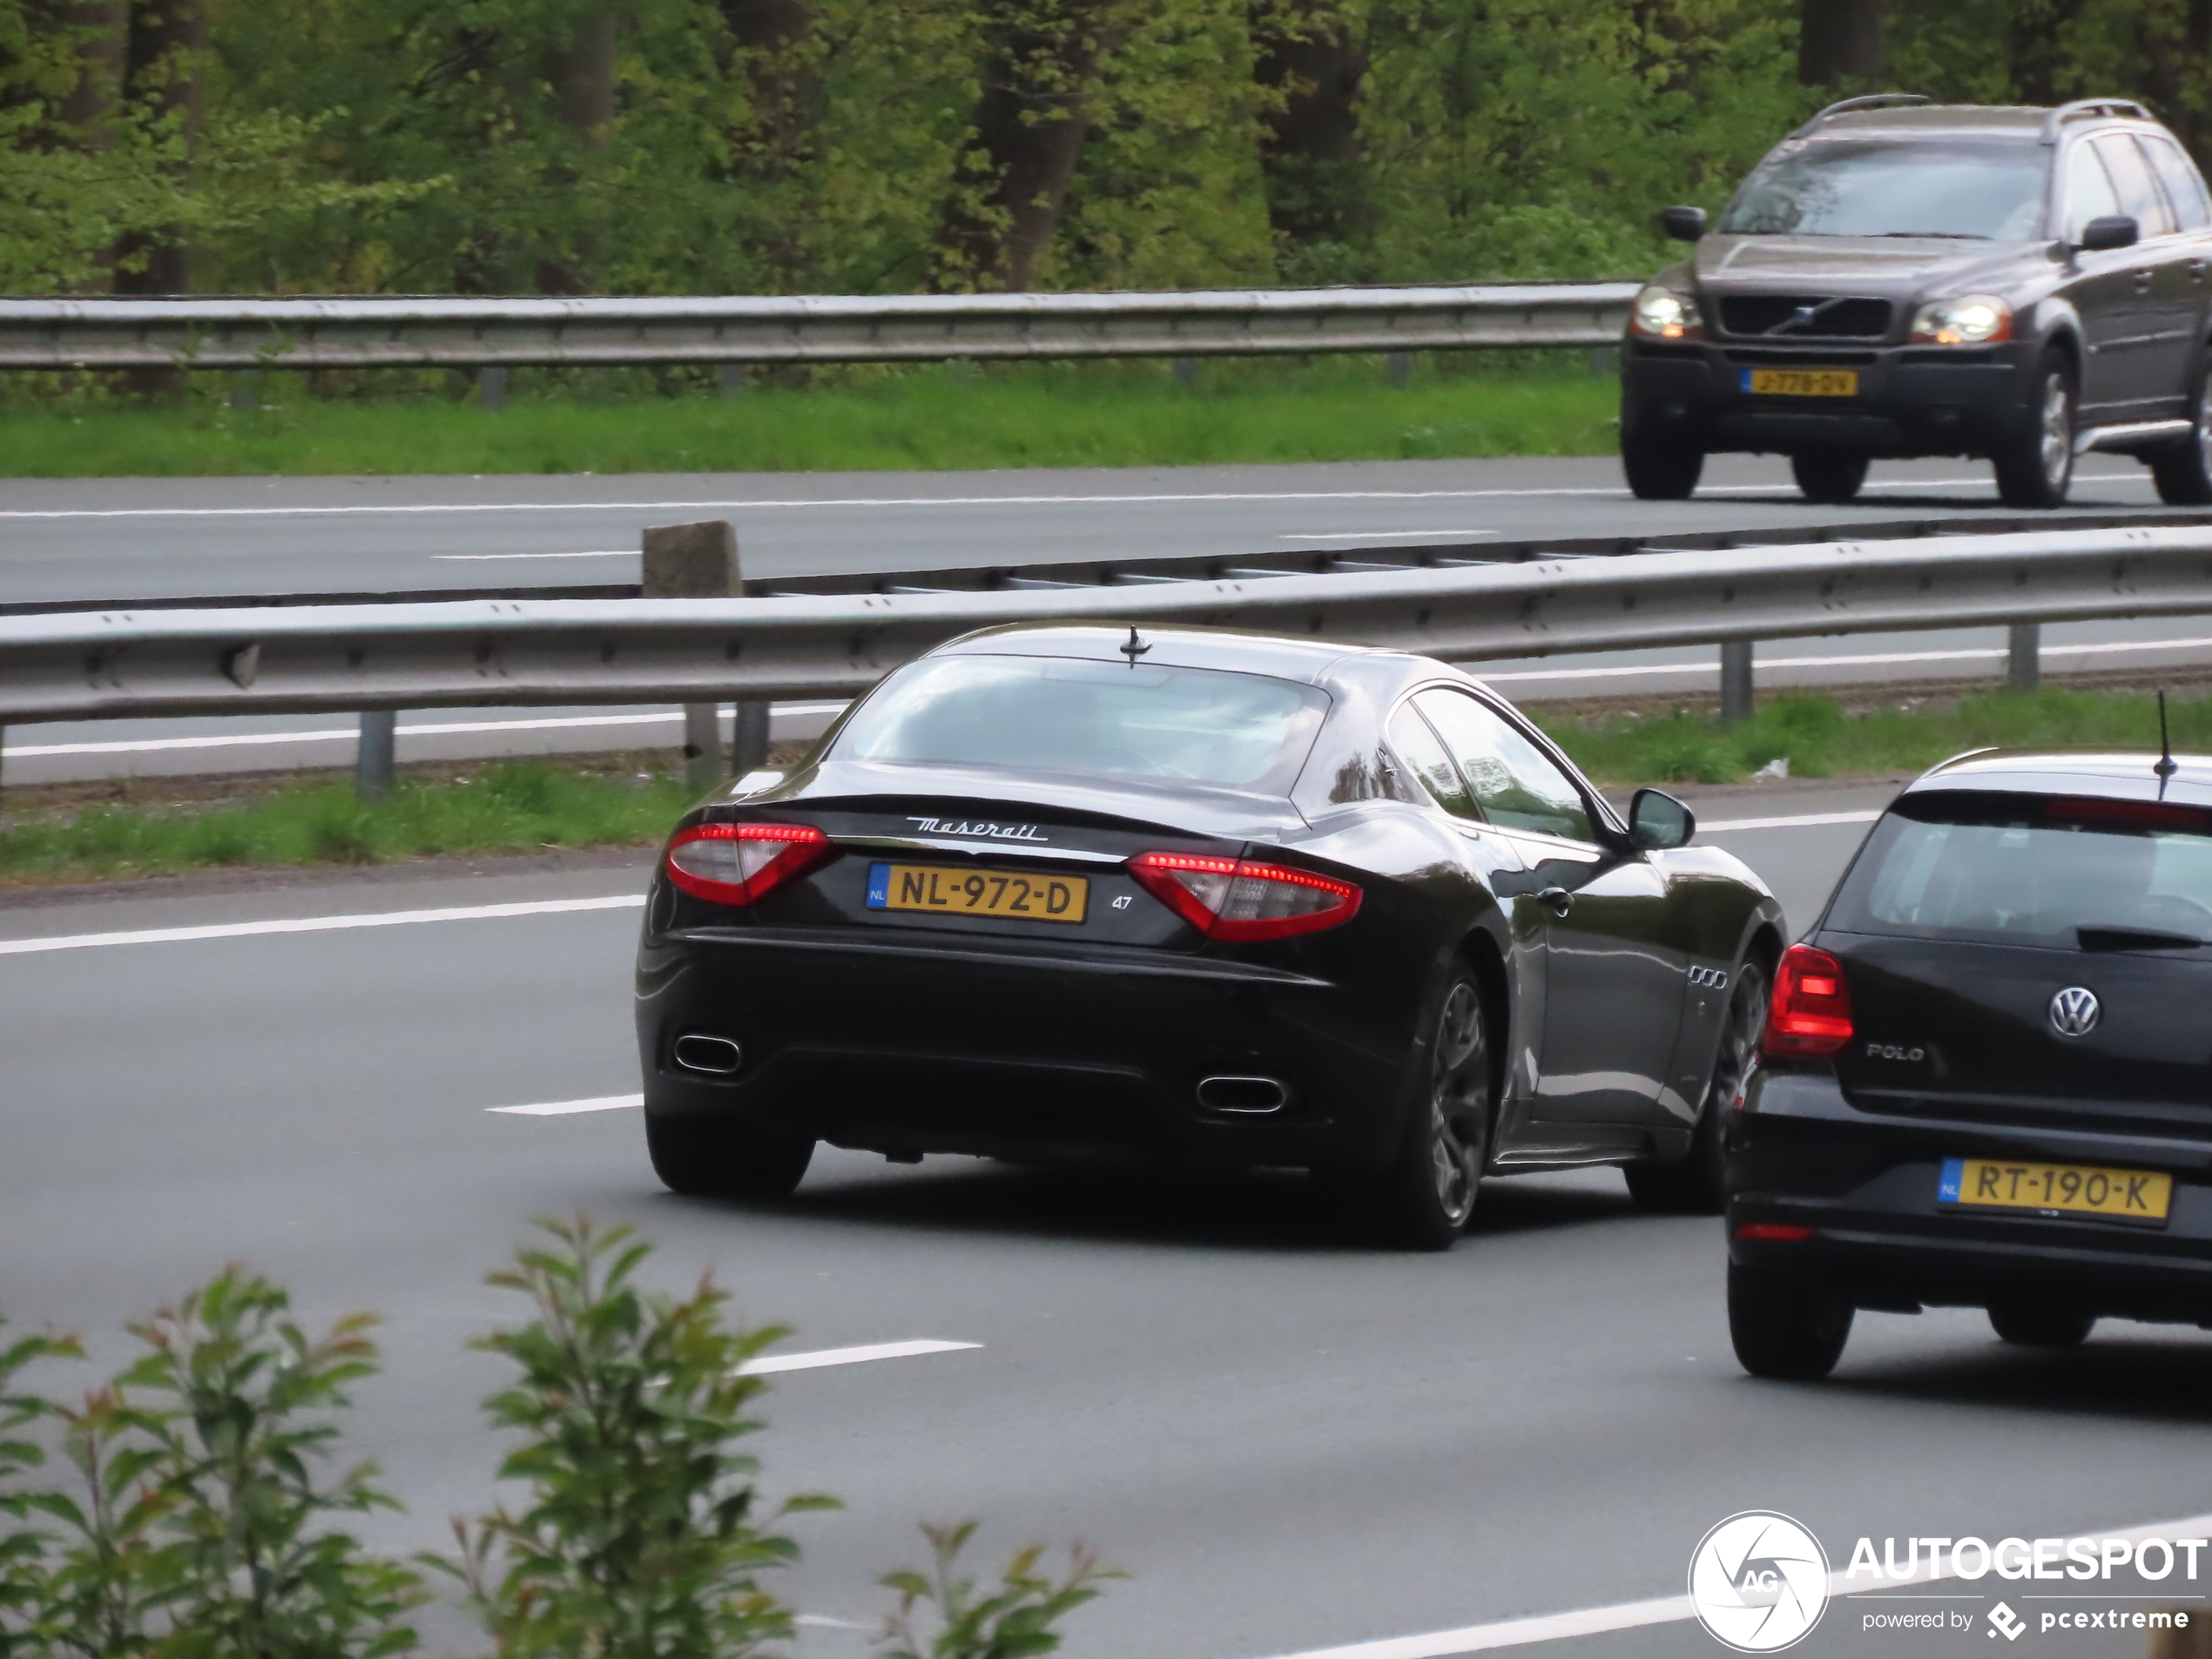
(1985, 1082)
(1203, 898)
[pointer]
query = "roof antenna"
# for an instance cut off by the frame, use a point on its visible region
(2165, 768)
(1136, 648)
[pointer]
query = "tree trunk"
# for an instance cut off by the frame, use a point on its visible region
(1309, 58)
(582, 75)
(1025, 141)
(2032, 43)
(1839, 42)
(164, 48)
(786, 87)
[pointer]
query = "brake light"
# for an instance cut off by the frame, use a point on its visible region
(739, 864)
(1242, 898)
(1774, 1232)
(1811, 1013)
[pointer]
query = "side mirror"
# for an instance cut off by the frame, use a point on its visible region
(2112, 231)
(1683, 223)
(1657, 821)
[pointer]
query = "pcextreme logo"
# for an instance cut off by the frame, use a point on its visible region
(1758, 1582)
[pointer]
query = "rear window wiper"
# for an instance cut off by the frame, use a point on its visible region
(2135, 939)
(1952, 236)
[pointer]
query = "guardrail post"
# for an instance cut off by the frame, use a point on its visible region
(1736, 681)
(1399, 365)
(2024, 660)
(1186, 371)
(729, 380)
(491, 386)
(1605, 361)
(700, 562)
(376, 756)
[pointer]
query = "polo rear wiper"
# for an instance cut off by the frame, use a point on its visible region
(1954, 236)
(2135, 939)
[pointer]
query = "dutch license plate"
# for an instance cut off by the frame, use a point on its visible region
(2069, 1189)
(1801, 383)
(1021, 895)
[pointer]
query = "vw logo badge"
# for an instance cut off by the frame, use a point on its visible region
(2074, 1011)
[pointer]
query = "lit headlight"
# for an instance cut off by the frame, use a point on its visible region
(1666, 315)
(1975, 319)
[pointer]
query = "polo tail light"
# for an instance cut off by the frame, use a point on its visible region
(1811, 1013)
(739, 864)
(1242, 898)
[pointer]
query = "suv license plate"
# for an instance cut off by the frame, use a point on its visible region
(1801, 383)
(2067, 1189)
(1023, 896)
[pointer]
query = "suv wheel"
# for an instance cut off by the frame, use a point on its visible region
(1660, 468)
(2035, 466)
(2036, 1328)
(2184, 473)
(1785, 1325)
(1691, 1185)
(1828, 475)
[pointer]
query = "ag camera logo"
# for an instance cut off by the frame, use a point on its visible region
(1758, 1582)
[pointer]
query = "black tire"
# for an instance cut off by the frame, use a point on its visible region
(2028, 1327)
(716, 1158)
(2035, 466)
(1829, 475)
(2183, 473)
(1785, 1326)
(1423, 1197)
(1691, 1184)
(1660, 468)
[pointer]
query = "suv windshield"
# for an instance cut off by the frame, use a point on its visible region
(1056, 714)
(2033, 870)
(1841, 187)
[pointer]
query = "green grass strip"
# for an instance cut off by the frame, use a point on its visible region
(1107, 416)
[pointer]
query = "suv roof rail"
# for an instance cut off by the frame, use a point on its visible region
(1871, 101)
(2065, 112)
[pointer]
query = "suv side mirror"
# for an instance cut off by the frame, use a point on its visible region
(1683, 223)
(1657, 821)
(2111, 231)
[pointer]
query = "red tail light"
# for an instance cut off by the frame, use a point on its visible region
(739, 863)
(1240, 899)
(1811, 1013)
(1774, 1232)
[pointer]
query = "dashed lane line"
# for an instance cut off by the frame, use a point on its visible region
(569, 1108)
(317, 924)
(769, 1363)
(1801, 820)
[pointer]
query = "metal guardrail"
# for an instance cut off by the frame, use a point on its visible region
(459, 331)
(100, 665)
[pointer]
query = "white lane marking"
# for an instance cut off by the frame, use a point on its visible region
(486, 559)
(1669, 1610)
(1804, 820)
(768, 1363)
(1377, 535)
(317, 924)
(566, 1107)
(1857, 660)
(428, 729)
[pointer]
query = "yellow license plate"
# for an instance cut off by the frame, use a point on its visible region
(1801, 383)
(2067, 1189)
(1021, 894)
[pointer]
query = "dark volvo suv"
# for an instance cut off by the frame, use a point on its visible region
(1900, 278)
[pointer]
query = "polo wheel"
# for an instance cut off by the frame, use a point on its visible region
(704, 1157)
(1786, 1327)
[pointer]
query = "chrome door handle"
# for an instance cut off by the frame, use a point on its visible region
(2142, 281)
(2196, 270)
(1558, 901)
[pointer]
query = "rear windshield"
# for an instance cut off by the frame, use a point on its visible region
(1992, 190)
(2056, 870)
(1199, 726)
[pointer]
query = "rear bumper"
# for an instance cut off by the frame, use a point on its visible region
(1802, 1156)
(955, 1046)
(1912, 401)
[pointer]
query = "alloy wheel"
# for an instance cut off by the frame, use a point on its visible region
(2057, 443)
(1739, 1038)
(1460, 1104)
(2204, 425)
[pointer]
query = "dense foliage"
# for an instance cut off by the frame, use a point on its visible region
(884, 145)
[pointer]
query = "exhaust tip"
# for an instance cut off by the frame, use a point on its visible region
(717, 1056)
(1254, 1096)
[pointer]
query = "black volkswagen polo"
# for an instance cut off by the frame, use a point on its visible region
(1202, 898)
(1986, 1076)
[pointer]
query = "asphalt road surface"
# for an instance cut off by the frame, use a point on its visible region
(127, 539)
(1290, 1441)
